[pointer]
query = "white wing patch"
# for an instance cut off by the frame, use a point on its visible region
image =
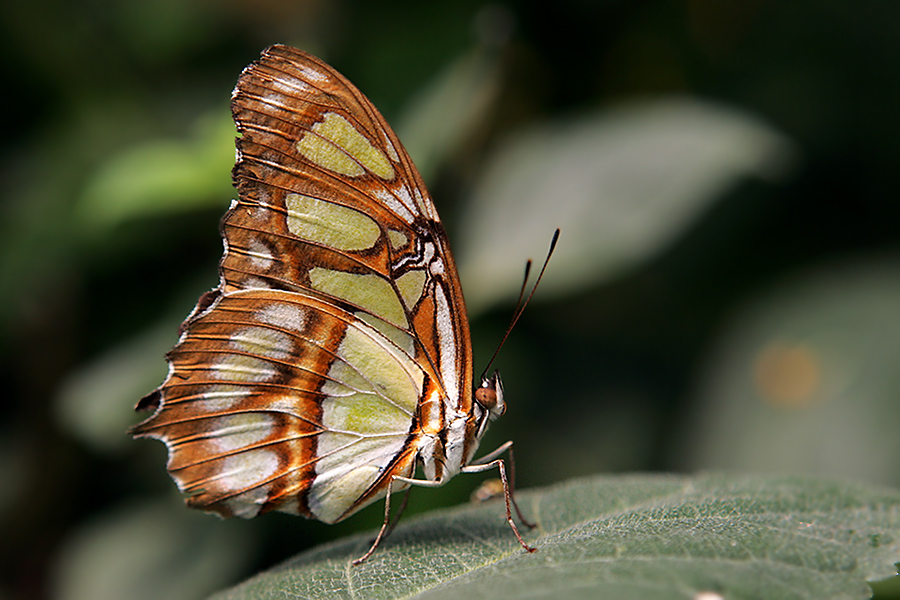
(447, 339)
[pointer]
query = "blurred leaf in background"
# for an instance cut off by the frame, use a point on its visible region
(181, 555)
(621, 185)
(161, 177)
(805, 380)
(89, 403)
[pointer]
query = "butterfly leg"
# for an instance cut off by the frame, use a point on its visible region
(511, 491)
(388, 526)
(507, 493)
(399, 512)
(486, 463)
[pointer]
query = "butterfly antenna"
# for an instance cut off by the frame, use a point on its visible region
(520, 304)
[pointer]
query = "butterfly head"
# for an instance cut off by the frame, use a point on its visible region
(490, 395)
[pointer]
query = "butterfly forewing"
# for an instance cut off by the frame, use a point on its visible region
(330, 202)
(338, 333)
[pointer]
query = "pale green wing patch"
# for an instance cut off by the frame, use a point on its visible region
(372, 293)
(411, 286)
(337, 145)
(330, 224)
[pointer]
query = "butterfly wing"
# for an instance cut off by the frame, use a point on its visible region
(338, 333)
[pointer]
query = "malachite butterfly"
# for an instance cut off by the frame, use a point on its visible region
(333, 361)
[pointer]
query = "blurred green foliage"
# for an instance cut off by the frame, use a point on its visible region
(725, 293)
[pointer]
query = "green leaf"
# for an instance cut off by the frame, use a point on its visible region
(652, 536)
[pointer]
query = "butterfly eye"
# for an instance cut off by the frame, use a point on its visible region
(490, 395)
(486, 397)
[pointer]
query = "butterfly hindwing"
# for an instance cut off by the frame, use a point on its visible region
(276, 400)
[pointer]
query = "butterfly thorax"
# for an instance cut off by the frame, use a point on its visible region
(443, 451)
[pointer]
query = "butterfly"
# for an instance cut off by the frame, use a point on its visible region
(333, 361)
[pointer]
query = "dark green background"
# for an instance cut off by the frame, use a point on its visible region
(87, 81)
